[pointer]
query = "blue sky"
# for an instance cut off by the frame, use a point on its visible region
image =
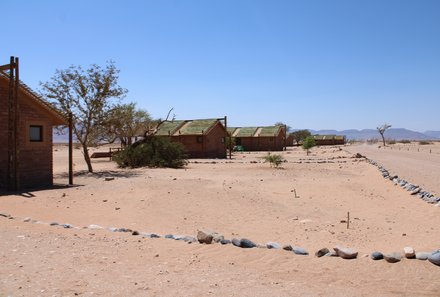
(336, 64)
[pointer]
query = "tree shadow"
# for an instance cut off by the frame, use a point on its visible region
(101, 174)
(28, 192)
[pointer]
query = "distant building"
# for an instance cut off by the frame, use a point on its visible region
(329, 139)
(271, 138)
(36, 118)
(201, 138)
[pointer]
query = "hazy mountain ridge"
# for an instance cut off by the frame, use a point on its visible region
(392, 133)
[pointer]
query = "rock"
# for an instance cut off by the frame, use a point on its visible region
(434, 258)
(225, 241)
(409, 252)
(216, 237)
(4, 214)
(287, 247)
(53, 224)
(109, 178)
(299, 251)
(331, 254)
(345, 253)
(113, 229)
(93, 227)
(169, 236)
(67, 226)
(247, 244)
(322, 252)
(415, 191)
(422, 256)
(189, 239)
(273, 245)
(153, 235)
(377, 256)
(135, 233)
(204, 237)
(393, 257)
(26, 220)
(236, 242)
(123, 230)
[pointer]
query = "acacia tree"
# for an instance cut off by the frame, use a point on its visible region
(308, 143)
(89, 95)
(382, 130)
(126, 122)
(300, 135)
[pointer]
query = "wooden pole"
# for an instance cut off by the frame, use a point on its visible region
(70, 149)
(229, 139)
(16, 125)
(348, 220)
(12, 170)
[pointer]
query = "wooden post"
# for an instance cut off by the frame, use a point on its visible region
(70, 149)
(229, 139)
(12, 127)
(348, 220)
(16, 126)
(285, 137)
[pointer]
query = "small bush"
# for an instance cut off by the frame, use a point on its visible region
(274, 160)
(423, 142)
(405, 141)
(392, 141)
(152, 152)
(308, 143)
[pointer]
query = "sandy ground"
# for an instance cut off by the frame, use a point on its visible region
(416, 163)
(239, 198)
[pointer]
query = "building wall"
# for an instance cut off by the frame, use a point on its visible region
(263, 143)
(35, 160)
(211, 145)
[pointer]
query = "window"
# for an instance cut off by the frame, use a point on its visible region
(36, 133)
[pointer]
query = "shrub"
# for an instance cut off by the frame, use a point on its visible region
(423, 142)
(391, 141)
(274, 160)
(404, 141)
(152, 152)
(308, 143)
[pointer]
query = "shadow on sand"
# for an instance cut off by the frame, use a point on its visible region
(28, 192)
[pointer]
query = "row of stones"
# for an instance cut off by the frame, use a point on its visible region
(206, 237)
(412, 188)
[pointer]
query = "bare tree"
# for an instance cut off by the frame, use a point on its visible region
(89, 95)
(382, 130)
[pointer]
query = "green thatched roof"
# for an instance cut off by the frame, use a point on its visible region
(196, 127)
(270, 131)
(168, 127)
(189, 127)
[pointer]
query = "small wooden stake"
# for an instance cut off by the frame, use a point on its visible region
(348, 220)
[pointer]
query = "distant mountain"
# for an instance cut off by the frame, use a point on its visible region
(392, 133)
(435, 134)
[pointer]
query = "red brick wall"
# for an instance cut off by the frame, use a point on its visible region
(35, 158)
(212, 145)
(264, 143)
(3, 134)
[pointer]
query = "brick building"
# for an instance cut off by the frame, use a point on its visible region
(201, 138)
(270, 138)
(34, 137)
(329, 139)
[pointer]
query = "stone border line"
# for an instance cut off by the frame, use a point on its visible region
(209, 237)
(412, 188)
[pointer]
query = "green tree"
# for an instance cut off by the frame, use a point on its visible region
(89, 95)
(300, 135)
(125, 122)
(308, 143)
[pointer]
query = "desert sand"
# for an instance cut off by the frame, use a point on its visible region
(239, 198)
